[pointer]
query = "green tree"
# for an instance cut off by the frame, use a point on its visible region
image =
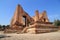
(7, 26)
(57, 22)
(3, 27)
(0, 26)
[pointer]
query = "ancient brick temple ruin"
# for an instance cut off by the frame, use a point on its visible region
(37, 24)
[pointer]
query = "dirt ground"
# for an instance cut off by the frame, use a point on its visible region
(43, 36)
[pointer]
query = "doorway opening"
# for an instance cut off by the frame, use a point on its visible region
(24, 21)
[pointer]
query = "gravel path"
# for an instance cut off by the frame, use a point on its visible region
(44, 36)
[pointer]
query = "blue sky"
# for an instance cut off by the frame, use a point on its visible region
(7, 8)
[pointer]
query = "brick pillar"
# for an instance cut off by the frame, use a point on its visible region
(36, 15)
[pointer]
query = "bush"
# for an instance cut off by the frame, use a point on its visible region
(57, 22)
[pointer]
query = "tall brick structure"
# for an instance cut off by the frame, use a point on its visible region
(23, 22)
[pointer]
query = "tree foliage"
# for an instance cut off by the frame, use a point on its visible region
(3, 27)
(57, 22)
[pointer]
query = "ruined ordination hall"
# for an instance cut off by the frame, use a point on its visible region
(25, 24)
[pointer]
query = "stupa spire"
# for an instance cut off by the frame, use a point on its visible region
(37, 15)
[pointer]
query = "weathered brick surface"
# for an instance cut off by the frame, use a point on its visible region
(21, 20)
